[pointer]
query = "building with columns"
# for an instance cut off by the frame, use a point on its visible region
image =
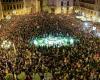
(89, 9)
(12, 7)
(21, 7)
(16, 7)
(61, 6)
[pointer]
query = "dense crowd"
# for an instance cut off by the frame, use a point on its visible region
(24, 62)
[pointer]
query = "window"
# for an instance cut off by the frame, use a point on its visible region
(7, 7)
(14, 6)
(4, 7)
(20, 6)
(62, 3)
(67, 3)
(17, 6)
(10, 0)
(10, 7)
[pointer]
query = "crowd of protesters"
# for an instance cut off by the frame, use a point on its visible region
(27, 62)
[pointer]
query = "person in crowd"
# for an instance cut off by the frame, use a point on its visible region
(23, 61)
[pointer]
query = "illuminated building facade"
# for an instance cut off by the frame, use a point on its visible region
(31, 6)
(21, 7)
(90, 9)
(61, 6)
(12, 7)
(16, 7)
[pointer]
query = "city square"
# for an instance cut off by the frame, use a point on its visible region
(49, 40)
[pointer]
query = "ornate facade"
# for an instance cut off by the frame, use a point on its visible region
(12, 7)
(20, 7)
(62, 6)
(90, 9)
(16, 7)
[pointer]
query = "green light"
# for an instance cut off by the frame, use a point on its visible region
(57, 41)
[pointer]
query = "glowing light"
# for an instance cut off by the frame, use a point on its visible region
(35, 42)
(98, 34)
(71, 41)
(81, 18)
(6, 44)
(86, 24)
(57, 41)
(94, 28)
(38, 27)
(8, 17)
(83, 14)
(14, 12)
(76, 11)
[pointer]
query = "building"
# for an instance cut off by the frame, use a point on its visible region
(88, 9)
(16, 7)
(61, 6)
(21, 7)
(12, 7)
(32, 6)
(43, 5)
(55, 6)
